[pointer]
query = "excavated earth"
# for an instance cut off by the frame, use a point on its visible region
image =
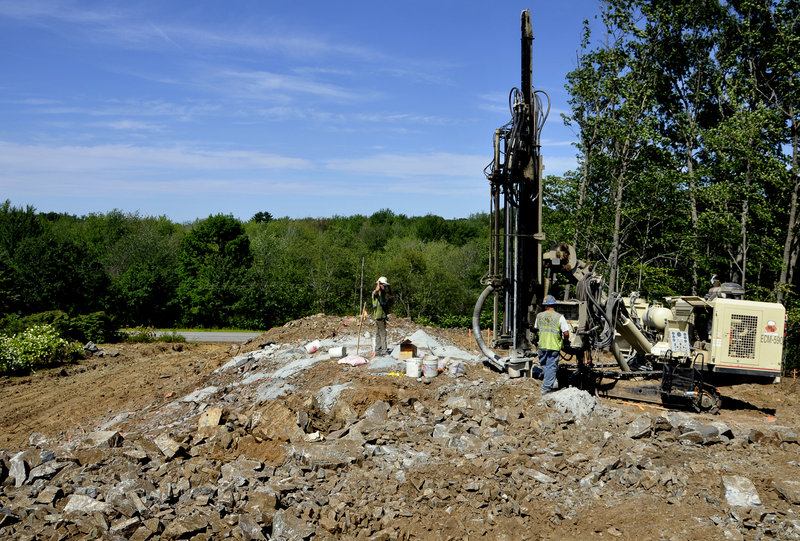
(265, 440)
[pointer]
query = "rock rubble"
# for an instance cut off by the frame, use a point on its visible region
(279, 444)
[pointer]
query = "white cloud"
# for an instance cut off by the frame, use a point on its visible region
(440, 164)
(20, 161)
(260, 83)
(132, 27)
(133, 126)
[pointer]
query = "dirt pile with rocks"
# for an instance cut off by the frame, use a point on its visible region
(277, 440)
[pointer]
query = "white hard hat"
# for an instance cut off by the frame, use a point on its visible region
(383, 280)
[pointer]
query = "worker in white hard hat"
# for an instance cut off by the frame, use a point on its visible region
(713, 293)
(381, 302)
(553, 331)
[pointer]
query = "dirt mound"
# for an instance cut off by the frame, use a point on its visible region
(265, 440)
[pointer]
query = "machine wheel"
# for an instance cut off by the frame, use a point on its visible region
(707, 400)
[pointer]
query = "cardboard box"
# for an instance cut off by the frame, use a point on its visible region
(407, 350)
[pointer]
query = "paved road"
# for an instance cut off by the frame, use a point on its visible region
(214, 336)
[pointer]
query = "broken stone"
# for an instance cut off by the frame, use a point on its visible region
(49, 494)
(18, 469)
(541, 477)
(167, 445)
(328, 455)
(37, 439)
(103, 438)
(209, 418)
(740, 491)
(123, 526)
(80, 503)
(200, 395)
(277, 422)
(186, 526)
(45, 471)
(571, 400)
(723, 429)
(788, 489)
(701, 434)
(136, 454)
(241, 468)
(7, 517)
(639, 427)
(251, 530)
(788, 435)
(287, 526)
(757, 435)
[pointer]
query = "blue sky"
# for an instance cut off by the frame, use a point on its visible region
(301, 109)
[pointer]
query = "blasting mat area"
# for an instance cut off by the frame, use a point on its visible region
(264, 440)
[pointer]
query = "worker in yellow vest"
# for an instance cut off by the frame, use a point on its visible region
(553, 331)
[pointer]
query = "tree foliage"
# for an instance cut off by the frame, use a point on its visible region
(686, 113)
(220, 272)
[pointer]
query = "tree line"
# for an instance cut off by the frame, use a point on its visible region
(221, 272)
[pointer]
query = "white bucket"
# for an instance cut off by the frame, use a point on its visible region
(311, 347)
(431, 367)
(337, 352)
(413, 368)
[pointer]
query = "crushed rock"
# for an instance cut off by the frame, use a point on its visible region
(282, 444)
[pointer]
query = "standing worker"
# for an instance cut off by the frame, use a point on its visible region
(381, 300)
(553, 330)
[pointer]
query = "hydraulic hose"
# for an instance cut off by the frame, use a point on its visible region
(491, 356)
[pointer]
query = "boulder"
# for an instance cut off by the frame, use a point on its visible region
(86, 505)
(788, 489)
(740, 491)
(641, 427)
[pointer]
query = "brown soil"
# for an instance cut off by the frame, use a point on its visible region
(73, 399)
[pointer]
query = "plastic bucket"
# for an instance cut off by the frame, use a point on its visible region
(430, 367)
(413, 368)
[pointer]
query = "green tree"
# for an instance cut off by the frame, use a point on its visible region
(261, 217)
(614, 88)
(16, 224)
(213, 263)
(686, 35)
(58, 274)
(143, 268)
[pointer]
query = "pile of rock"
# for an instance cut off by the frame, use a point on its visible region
(462, 457)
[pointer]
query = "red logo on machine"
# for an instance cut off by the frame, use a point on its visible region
(771, 327)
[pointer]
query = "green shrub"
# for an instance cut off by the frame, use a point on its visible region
(11, 325)
(455, 321)
(37, 346)
(171, 337)
(147, 334)
(14, 324)
(141, 334)
(95, 327)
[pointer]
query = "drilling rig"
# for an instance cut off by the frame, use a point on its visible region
(674, 352)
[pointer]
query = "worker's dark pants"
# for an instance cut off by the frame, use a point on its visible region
(548, 358)
(380, 337)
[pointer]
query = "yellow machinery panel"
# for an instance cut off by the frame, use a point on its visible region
(747, 337)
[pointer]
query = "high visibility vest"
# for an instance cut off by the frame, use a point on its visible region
(550, 336)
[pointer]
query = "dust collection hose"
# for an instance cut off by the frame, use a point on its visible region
(491, 356)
